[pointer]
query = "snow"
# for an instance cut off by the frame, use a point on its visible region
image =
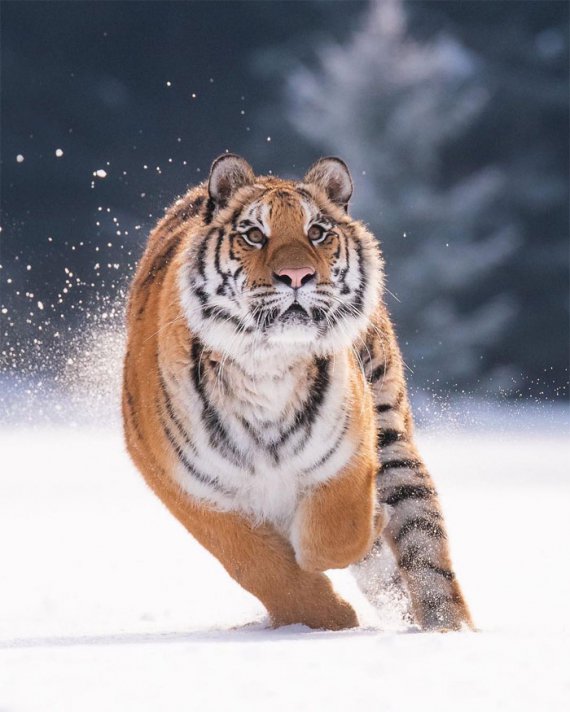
(108, 604)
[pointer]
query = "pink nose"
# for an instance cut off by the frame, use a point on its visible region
(295, 276)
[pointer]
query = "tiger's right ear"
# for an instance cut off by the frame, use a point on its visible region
(331, 174)
(228, 173)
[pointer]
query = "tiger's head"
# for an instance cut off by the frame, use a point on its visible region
(281, 267)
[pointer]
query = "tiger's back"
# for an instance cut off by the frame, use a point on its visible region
(140, 396)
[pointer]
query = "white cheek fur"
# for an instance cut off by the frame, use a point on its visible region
(235, 341)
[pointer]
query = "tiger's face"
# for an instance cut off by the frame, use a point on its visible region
(282, 268)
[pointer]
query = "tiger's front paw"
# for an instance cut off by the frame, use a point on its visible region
(321, 549)
(333, 614)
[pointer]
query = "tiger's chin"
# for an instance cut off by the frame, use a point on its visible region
(308, 338)
(295, 333)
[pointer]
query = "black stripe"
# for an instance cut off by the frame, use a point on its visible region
(389, 437)
(172, 415)
(284, 195)
(358, 300)
(189, 211)
(365, 354)
(217, 434)
(217, 252)
(434, 603)
(204, 479)
(132, 413)
(336, 253)
(235, 215)
(248, 427)
(420, 524)
(404, 492)
(383, 407)
(348, 309)
(218, 313)
(307, 416)
(268, 316)
(161, 261)
(305, 194)
(257, 293)
(400, 465)
(413, 560)
(201, 256)
(318, 390)
(318, 314)
(347, 257)
(209, 212)
(221, 290)
(232, 238)
(446, 573)
(377, 373)
(330, 452)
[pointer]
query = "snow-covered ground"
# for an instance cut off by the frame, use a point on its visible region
(107, 604)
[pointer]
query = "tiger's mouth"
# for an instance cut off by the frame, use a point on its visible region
(297, 323)
(295, 314)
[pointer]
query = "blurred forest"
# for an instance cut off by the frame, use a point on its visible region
(453, 116)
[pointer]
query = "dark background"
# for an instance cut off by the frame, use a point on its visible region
(452, 115)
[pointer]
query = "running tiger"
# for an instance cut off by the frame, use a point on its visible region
(264, 398)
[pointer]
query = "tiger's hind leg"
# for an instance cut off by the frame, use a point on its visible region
(263, 562)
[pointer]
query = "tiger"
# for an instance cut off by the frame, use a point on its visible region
(264, 398)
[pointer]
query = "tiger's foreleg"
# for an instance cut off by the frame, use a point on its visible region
(337, 522)
(263, 562)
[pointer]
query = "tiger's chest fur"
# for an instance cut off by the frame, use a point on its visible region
(255, 439)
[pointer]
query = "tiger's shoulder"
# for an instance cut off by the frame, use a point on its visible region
(184, 216)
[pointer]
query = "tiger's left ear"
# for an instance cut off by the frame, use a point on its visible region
(227, 174)
(331, 174)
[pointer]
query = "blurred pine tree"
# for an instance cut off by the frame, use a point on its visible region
(455, 140)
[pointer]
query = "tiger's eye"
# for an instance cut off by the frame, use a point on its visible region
(255, 236)
(315, 233)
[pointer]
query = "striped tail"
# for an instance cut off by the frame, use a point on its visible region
(416, 530)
